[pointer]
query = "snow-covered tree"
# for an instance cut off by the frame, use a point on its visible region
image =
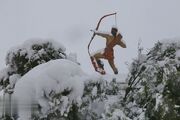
(21, 59)
(154, 84)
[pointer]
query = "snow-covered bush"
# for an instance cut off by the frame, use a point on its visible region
(21, 59)
(59, 89)
(32, 53)
(154, 83)
(53, 87)
(102, 99)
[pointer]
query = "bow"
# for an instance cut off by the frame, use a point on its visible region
(97, 27)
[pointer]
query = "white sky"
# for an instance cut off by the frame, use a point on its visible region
(70, 21)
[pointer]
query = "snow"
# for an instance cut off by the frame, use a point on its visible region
(158, 100)
(46, 80)
(178, 54)
(118, 115)
(26, 47)
(170, 41)
(119, 77)
(73, 57)
(4, 73)
(161, 63)
(13, 79)
(94, 91)
(98, 107)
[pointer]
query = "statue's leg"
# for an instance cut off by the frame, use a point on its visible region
(99, 56)
(111, 63)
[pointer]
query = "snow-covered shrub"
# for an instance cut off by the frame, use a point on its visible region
(154, 83)
(93, 99)
(102, 100)
(23, 58)
(32, 53)
(59, 89)
(54, 88)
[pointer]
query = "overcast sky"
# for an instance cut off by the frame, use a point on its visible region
(70, 21)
